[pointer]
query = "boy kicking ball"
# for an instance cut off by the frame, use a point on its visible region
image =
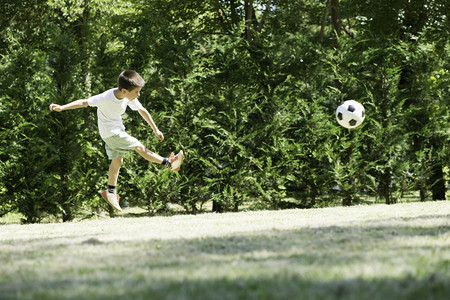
(111, 105)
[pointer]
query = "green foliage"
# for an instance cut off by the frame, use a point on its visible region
(247, 89)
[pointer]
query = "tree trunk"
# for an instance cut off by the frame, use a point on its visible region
(437, 182)
(422, 194)
(347, 201)
(322, 27)
(336, 16)
(217, 207)
(67, 214)
(385, 187)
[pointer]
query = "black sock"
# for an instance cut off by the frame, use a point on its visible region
(166, 162)
(112, 189)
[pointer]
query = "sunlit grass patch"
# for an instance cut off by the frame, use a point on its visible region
(361, 252)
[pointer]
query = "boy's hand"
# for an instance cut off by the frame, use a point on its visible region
(55, 107)
(160, 135)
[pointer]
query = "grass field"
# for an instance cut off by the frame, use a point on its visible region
(363, 252)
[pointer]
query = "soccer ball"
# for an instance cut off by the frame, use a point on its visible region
(350, 114)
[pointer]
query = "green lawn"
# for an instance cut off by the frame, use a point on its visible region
(363, 252)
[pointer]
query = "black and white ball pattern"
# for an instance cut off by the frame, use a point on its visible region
(350, 114)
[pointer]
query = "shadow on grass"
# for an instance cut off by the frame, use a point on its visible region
(272, 286)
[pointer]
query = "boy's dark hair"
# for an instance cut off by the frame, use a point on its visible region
(130, 79)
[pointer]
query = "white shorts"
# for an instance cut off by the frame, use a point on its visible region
(120, 144)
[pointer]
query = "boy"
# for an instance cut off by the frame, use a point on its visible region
(110, 107)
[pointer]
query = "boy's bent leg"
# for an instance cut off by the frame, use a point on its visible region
(173, 162)
(114, 169)
(149, 155)
(113, 174)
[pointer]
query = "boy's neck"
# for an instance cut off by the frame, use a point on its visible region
(119, 95)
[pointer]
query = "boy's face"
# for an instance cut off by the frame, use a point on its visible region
(133, 94)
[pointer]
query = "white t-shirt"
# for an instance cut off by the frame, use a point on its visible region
(110, 111)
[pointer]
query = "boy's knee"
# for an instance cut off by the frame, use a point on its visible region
(140, 149)
(118, 161)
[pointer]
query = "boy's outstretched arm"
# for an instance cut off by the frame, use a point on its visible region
(72, 105)
(147, 117)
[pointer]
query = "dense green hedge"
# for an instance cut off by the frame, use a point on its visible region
(247, 89)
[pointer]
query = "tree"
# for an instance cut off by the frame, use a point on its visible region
(249, 90)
